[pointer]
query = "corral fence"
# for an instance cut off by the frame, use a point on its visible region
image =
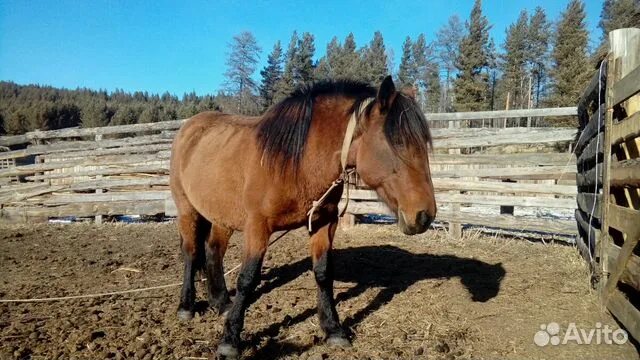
(480, 174)
(609, 178)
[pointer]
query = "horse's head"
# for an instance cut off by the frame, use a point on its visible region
(391, 157)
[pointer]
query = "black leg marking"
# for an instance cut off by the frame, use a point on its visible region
(216, 285)
(247, 282)
(329, 321)
(188, 295)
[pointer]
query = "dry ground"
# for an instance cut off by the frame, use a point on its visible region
(401, 297)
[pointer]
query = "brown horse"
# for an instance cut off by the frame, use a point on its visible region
(261, 175)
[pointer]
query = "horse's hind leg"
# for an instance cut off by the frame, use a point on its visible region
(193, 230)
(321, 244)
(216, 285)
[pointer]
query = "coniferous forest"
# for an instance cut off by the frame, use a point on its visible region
(542, 62)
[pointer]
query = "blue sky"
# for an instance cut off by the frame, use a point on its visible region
(180, 46)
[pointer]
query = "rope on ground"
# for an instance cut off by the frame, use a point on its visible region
(121, 292)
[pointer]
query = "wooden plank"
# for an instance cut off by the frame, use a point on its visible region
(503, 188)
(550, 202)
(593, 149)
(162, 149)
(518, 159)
(495, 221)
(150, 207)
(502, 114)
(625, 172)
(593, 92)
(588, 178)
(631, 274)
(514, 173)
(87, 161)
(595, 126)
(118, 183)
(476, 137)
(66, 146)
(149, 169)
(625, 312)
(632, 230)
(590, 233)
(626, 129)
(82, 132)
(109, 196)
(624, 219)
(626, 87)
(588, 202)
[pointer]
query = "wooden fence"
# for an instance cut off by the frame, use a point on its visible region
(123, 170)
(618, 250)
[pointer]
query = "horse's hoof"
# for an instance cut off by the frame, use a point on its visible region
(338, 341)
(185, 315)
(227, 351)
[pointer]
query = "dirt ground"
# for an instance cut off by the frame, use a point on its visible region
(401, 297)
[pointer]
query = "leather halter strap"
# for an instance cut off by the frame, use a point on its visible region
(344, 155)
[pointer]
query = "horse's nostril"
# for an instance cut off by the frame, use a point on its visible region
(423, 220)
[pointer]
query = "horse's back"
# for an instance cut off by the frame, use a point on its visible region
(208, 157)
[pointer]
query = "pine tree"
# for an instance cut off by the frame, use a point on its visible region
(16, 123)
(243, 57)
(348, 64)
(375, 60)
(407, 70)
(571, 65)
(618, 14)
(514, 63)
(448, 41)
(538, 52)
(303, 63)
(271, 74)
(95, 114)
(472, 91)
(433, 88)
(286, 84)
(326, 68)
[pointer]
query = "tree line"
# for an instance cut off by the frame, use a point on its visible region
(540, 63)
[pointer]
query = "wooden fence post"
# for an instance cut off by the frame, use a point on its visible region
(98, 218)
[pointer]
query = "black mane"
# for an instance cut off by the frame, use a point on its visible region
(283, 131)
(406, 126)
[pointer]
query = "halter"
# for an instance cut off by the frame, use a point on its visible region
(344, 154)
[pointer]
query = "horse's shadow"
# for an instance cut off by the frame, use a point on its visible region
(389, 268)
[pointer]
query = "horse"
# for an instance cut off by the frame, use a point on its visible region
(260, 175)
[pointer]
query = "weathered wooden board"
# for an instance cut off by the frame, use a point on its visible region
(514, 173)
(502, 114)
(626, 87)
(517, 159)
(150, 207)
(498, 200)
(625, 312)
(476, 137)
(625, 172)
(589, 203)
(503, 187)
(631, 274)
(148, 169)
(626, 129)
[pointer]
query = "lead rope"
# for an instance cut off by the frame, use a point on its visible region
(346, 172)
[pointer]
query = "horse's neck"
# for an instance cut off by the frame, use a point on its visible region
(321, 165)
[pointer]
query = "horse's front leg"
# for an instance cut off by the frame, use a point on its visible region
(321, 244)
(256, 238)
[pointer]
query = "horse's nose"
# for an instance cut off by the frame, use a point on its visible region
(423, 220)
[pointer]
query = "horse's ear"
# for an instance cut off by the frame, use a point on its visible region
(385, 93)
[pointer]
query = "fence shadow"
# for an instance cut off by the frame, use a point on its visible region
(387, 267)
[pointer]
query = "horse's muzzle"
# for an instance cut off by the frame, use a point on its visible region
(420, 225)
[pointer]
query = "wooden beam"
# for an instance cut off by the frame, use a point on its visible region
(514, 173)
(86, 161)
(624, 219)
(626, 129)
(148, 169)
(550, 202)
(495, 221)
(82, 132)
(593, 149)
(163, 149)
(502, 114)
(107, 197)
(625, 312)
(150, 207)
(118, 183)
(476, 137)
(625, 172)
(628, 86)
(588, 202)
(503, 188)
(518, 159)
(631, 274)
